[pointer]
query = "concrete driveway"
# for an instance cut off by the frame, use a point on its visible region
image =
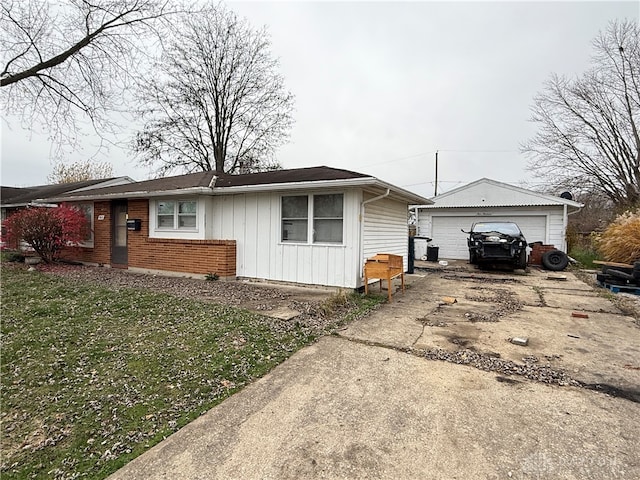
(371, 401)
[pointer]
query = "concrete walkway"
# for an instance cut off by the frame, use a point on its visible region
(357, 406)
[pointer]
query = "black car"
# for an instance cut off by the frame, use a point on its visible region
(497, 243)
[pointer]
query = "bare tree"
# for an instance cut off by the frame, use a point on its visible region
(588, 138)
(69, 61)
(79, 171)
(217, 101)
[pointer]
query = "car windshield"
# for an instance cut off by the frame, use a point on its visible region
(500, 227)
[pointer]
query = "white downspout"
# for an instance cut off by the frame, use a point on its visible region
(361, 255)
(565, 223)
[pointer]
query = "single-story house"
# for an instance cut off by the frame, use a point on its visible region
(13, 199)
(542, 218)
(16, 198)
(312, 226)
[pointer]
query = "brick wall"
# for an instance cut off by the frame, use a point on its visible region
(173, 255)
(100, 253)
(177, 255)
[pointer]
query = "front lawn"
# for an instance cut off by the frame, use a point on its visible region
(92, 376)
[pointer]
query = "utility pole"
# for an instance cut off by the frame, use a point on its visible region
(435, 187)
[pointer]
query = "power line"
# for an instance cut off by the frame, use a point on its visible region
(398, 159)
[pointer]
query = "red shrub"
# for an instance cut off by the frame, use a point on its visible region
(48, 230)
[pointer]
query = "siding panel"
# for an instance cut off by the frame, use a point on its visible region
(385, 229)
(253, 220)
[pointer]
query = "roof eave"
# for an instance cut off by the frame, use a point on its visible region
(131, 195)
(410, 197)
(554, 204)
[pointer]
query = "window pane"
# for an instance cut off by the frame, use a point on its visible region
(327, 218)
(295, 207)
(166, 208)
(186, 221)
(294, 230)
(327, 206)
(165, 221)
(328, 231)
(87, 211)
(187, 207)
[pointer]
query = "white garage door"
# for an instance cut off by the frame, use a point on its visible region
(446, 233)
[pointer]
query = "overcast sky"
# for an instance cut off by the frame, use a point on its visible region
(380, 86)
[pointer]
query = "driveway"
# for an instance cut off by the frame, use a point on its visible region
(428, 389)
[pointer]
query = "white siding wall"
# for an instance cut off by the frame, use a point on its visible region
(197, 233)
(385, 229)
(555, 231)
(253, 221)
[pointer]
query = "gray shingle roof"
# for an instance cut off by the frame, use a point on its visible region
(24, 196)
(203, 179)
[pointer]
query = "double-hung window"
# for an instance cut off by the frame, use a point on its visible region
(325, 212)
(176, 215)
(295, 218)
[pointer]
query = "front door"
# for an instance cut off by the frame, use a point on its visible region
(119, 233)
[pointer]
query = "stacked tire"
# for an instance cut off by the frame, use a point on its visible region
(620, 275)
(555, 260)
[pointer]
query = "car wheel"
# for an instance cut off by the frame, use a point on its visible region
(472, 258)
(555, 260)
(521, 261)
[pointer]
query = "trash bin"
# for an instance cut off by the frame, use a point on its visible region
(412, 255)
(432, 254)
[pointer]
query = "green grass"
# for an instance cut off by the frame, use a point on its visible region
(93, 377)
(585, 256)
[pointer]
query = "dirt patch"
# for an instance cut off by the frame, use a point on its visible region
(629, 304)
(482, 279)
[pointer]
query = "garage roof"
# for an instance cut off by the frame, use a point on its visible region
(491, 193)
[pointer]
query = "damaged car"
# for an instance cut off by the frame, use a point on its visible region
(497, 243)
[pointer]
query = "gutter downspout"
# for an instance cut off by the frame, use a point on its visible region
(361, 255)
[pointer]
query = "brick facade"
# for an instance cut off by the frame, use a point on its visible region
(172, 255)
(101, 251)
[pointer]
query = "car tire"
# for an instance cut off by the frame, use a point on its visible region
(472, 258)
(555, 260)
(522, 259)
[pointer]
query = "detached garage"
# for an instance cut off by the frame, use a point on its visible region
(541, 217)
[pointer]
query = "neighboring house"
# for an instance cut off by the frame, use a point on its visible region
(540, 217)
(310, 225)
(13, 199)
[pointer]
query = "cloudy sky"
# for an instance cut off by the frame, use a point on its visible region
(381, 86)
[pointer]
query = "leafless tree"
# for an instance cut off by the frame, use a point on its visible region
(588, 136)
(68, 62)
(217, 101)
(79, 171)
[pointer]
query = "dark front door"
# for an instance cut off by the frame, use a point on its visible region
(119, 233)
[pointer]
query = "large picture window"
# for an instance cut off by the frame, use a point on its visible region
(326, 212)
(176, 215)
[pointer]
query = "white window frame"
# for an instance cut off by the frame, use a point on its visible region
(176, 215)
(311, 220)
